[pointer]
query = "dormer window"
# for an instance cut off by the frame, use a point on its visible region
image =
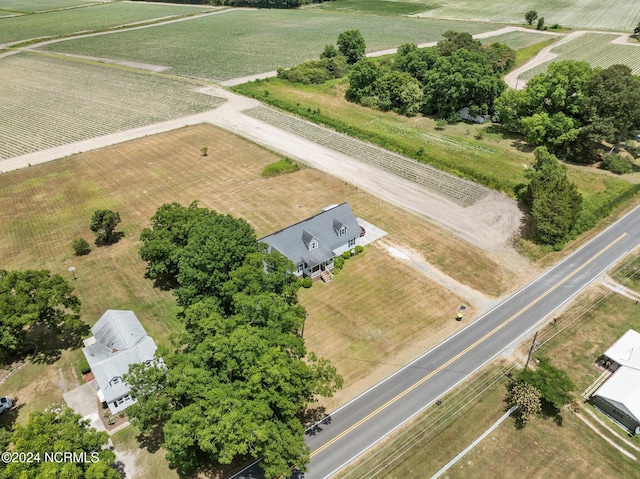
(310, 241)
(339, 227)
(343, 231)
(115, 380)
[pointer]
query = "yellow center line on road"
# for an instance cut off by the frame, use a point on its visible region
(462, 353)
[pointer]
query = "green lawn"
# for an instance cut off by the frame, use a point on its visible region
(595, 49)
(616, 15)
(246, 42)
(88, 19)
(39, 114)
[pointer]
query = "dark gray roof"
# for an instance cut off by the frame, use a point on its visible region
(120, 340)
(293, 241)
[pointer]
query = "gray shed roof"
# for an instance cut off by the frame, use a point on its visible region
(120, 340)
(293, 241)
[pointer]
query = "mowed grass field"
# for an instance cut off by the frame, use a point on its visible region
(596, 49)
(376, 310)
(246, 42)
(616, 15)
(88, 19)
(47, 102)
(544, 448)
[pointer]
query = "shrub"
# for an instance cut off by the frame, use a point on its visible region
(84, 367)
(338, 263)
(111, 421)
(280, 168)
(441, 123)
(105, 414)
(346, 254)
(540, 25)
(307, 283)
(358, 249)
(616, 164)
(80, 246)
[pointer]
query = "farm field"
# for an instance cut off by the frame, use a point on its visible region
(29, 6)
(373, 7)
(101, 100)
(617, 15)
(543, 448)
(240, 43)
(517, 40)
(87, 19)
(596, 49)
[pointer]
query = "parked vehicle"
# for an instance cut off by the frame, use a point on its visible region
(362, 231)
(5, 403)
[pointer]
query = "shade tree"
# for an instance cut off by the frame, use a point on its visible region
(33, 298)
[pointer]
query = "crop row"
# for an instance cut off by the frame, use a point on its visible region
(456, 189)
(617, 15)
(595, 49)
(516, 40)
(47, 102)
(246, 42)
(456, 144)
(91, 18)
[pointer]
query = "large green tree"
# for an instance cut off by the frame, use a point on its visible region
(234, 385)
(614, 94)
(103, 224)
(554, 384)
(195, 249)
(463, 79)
(34, 298)
(555, 202)
(58, 432)
(351, 44)
(572, 109)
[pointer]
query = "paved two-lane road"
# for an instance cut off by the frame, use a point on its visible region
(367, 419)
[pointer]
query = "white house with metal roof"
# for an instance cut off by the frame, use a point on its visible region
(619, 396)
(118, 341)
(313, 243)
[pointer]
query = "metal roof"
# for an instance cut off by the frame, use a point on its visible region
(120, 340)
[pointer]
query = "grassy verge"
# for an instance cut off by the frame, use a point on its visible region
(523, 55)
(548, 448)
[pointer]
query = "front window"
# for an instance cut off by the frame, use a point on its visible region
(313, 244)
(352, 242)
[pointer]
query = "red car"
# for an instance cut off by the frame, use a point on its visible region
(362, 231)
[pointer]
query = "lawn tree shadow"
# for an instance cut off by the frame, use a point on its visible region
(163, 282)
(119, 467)
(51, 344)
(153, 440)
(113, 239)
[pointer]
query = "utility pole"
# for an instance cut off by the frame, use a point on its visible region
(533, 345)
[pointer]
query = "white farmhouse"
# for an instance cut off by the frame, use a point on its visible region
(118, 341)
